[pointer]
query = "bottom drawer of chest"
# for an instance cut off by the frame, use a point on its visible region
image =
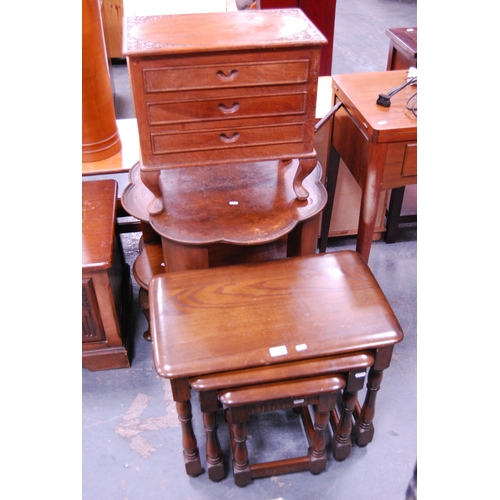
(224, 144)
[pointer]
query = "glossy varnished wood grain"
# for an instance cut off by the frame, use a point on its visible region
(243, 204)
(221, 319)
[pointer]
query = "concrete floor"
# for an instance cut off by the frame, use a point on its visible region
(131, 447)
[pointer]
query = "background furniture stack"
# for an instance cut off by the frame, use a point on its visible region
(227, 157)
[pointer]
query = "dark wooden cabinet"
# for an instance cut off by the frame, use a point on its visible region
(322, 14)
(105, 280)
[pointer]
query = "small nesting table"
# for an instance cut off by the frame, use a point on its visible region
(252, 316)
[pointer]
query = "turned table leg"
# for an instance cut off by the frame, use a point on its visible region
(364, 429)
(241, 465)
(215, 464)
(209, 406)
(182, 397)
(342, 445)
(317, 450)
(189, 444)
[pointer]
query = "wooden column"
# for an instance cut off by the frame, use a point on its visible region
(100, 138)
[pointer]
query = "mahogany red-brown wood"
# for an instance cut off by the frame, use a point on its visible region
(224, 88)
(322, 14)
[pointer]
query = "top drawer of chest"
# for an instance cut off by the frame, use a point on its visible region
(224, 75)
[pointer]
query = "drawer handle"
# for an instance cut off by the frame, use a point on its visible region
(229, 109)
(227, 78)
(229, 140)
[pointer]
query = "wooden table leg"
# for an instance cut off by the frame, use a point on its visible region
(151, 181)
(182, 397)
(241, 466)
(306, 166)
(342, 445)
(364, 429)
(209, 407)
(189, 444)
(393, 214)
(332, 174)
(370, 199)
(317, 451)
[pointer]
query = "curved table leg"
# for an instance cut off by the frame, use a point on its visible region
(151, 180)
(306, 166)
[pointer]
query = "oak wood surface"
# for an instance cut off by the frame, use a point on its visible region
(283, 371)
(158, 35)
(221, 319)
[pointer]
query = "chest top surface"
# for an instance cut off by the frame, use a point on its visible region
(219, 31)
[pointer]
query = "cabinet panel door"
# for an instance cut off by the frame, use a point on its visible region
(92, 329)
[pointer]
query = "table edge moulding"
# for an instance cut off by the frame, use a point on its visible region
(223, 88)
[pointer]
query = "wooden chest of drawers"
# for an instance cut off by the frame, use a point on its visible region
(224, 88)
